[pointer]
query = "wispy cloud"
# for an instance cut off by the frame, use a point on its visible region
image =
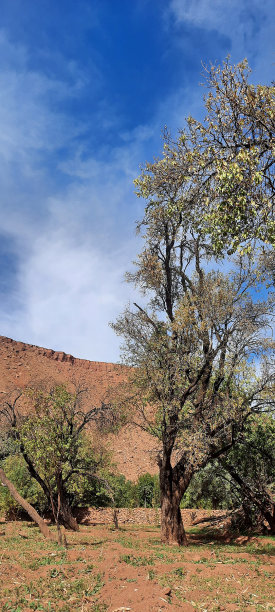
(67, 161)
(248, 26)
(69, 292)
(69, 218)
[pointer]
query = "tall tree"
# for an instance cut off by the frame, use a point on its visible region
(194, 340)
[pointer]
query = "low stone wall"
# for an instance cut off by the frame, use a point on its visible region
(138, 516)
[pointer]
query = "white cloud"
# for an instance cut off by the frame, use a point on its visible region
(207, 13)
(69, 293)
(73, 233)
(71, 222)
(28, 124)
(247, 24)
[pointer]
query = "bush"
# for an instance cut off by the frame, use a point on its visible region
(148, 491)
(208, 489)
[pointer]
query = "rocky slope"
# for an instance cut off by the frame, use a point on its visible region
(23, 365)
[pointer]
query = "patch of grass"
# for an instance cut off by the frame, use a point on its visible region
(88, 569)
(203, 560)
(127, 543)
(179, 572)
(136, 561)
(98, 584)
(268, 549)
(49, 560)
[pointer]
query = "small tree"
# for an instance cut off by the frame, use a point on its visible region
(145, 490)
(52, 443)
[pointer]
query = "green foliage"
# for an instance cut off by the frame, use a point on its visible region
(49, 434)
(124, 491)
(208, 489)
(254, 455)
(224, 166)
(250, 466)
(57, 452)
(252, 460)
(110, 490)
(126, 494)
(15, 469)
(148, 492)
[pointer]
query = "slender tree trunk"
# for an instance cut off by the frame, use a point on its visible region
(272, 521)
(261, 498)
(27, 507)
(172, 529)
(115, 517)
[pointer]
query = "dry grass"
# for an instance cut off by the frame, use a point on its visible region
(105, 569)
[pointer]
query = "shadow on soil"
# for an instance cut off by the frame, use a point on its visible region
(258, 544)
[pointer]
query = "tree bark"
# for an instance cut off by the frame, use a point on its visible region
(172, 529)
(64, 510)
(67, 518)
(27, 507)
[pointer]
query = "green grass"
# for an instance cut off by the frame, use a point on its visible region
(136, 561)
(50, 578)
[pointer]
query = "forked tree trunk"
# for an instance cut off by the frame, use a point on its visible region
(172, 529)
(27, 507)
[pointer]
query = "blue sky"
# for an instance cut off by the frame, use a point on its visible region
(85, 90)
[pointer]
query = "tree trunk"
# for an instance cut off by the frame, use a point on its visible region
(172, 530)
(64, 509)
(67, 518)
(261, 498)
(27, 507)
(115, 517)
(271, 522)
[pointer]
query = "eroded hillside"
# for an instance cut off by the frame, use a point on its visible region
(24, 365)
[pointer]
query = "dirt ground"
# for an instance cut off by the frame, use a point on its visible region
(130, 570)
